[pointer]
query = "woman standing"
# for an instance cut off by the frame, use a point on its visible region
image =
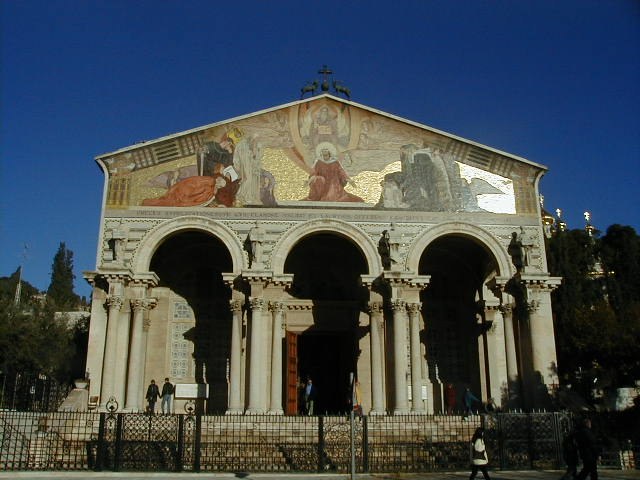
(478, 453)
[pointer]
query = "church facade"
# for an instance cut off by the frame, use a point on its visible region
(323, 240)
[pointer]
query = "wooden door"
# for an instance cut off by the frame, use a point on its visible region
(292, 373)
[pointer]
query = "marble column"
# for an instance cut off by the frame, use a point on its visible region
(510, 346)
(114, 303)
(137, 355)
(377, 379)
(235, 381)
(417, 404)
(275, 404)
(400, 357)
(258, 360)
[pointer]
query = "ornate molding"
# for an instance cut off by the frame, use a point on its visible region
(115, 302)
(398, 305)
(277, 307)
(258, 304)
(143, 303)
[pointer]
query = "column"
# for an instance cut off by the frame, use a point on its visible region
(122, 355)
(510, 349)
(137, 356)
(400, 357)
(417, 405)
(114, 303)
(257, 370)
(235, 384)
(275, 405)
(375, 325)
(543, 347)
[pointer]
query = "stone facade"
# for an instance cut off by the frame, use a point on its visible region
(321, 239)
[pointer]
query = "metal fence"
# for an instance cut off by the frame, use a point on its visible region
(256, 443)
(31, 392)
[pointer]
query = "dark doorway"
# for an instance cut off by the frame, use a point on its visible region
(458, 267)
(191, 264)
(328, 359)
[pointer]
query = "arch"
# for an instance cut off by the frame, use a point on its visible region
(459, 228)
(150, 242)
(358, 236)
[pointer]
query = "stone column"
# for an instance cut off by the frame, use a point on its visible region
(400, 357)
(377, 379)
(235, 372)
(135, 382)
(417, 405)
(258, 360)
(114, 303)
(510, 349)
(543, 347)
(275, 405)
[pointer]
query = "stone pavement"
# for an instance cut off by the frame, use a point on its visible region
(495, 475)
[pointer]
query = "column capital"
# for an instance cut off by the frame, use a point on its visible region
(398, 305)
(143, 303)
(115, 301)
(376, 307)
(414, 307)
(235, 305)
(506, 309)
(258, 303)
(277, 306)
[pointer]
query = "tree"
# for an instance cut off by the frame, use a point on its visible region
(597, 307)
(60, 292)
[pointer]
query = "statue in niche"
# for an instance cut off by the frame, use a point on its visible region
(118, 243)
(516, 251)
(254, 242)
(384, 250)
(527, 245)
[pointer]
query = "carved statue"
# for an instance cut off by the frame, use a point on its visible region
(342, 89)
(255, 239)
(516, 251)
(309, 87)
(384, 249)
(118, 243)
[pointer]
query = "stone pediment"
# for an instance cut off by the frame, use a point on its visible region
(320, 152)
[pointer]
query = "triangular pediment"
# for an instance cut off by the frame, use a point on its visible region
(320, 151)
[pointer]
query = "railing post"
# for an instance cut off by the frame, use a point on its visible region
(180, 448)
(118, 445)
(196, 447)
(365, 444)
(101, 446)
(320, 443)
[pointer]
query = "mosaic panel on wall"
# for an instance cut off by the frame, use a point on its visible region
(322, 153)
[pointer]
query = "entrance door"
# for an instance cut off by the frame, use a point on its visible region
(292, 373)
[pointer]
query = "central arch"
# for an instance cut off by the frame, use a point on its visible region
(326, 270)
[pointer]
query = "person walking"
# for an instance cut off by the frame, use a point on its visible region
(310, 396)
(589, 451)
(167, 394)
(478, 454)
(570, 454)
(468, 399)
(152, 396)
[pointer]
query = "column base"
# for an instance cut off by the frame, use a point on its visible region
(401, 411)
(376, 413)
(234, 411)
(255, 411)
(276, 412)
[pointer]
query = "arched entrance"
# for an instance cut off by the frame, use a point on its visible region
(459, 266)
(190, 264)
(327, 269)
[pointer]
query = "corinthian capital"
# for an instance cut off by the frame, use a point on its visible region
(398, 305)
(115, 302)
(143, 303)
(414, 308)
(376, 308)
(235, 305)
(257, 303)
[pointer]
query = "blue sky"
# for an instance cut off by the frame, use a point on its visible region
(556, 82)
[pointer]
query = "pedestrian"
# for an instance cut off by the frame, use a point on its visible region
(167, 394)
(570, 454)
(152, 397)
(478, 454)
(468, 399)
(589, 451)
(310, 394)
(450, 398)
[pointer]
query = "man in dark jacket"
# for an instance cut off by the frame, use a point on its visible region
(152, 396)
(589, 451)
(167, 394)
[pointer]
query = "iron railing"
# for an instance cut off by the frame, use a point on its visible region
(268, 443)
(31, 392)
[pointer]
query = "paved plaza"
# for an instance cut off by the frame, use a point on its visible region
(497, 475)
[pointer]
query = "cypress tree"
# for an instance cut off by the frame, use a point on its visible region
(60, 292)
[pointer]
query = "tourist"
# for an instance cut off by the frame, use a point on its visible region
(152, 396)
(589, 451)
(468, 400)
(478, 453)
(570, 454)
(310, 396)
(167, 394)
(450, 398)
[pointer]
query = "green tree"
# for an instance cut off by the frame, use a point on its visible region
(60, 292)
